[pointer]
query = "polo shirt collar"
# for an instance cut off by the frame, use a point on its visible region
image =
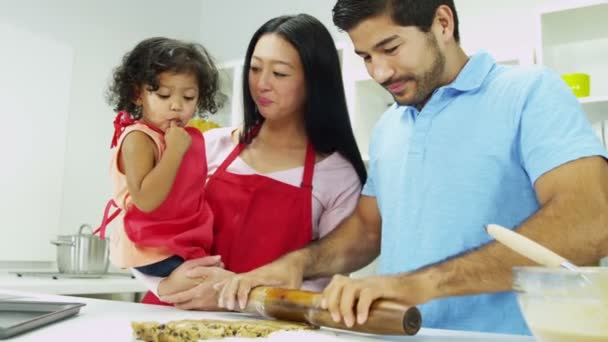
(474, 73)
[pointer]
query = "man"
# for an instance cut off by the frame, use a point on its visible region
(469, 143)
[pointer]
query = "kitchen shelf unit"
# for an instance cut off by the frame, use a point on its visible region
(231, 112)
(572, 37)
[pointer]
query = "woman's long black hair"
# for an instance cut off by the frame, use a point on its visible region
(326, 114)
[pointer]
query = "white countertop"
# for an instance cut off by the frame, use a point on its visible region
(102, 320)
(72, 286)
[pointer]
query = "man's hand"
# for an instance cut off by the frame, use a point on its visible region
(347, 298)
(286, 273)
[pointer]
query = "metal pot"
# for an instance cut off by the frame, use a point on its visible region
(83, 253)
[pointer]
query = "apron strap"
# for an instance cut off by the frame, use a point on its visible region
(231, 157)
(309, 166)
(253, 132)
(309, 161)
(107, 218)
(122, 121)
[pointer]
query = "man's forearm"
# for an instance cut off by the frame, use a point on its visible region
(348, 248)
(571, 226)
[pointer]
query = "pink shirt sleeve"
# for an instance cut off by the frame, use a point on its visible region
(342, 190)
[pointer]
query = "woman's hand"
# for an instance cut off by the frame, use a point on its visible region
(178, 281)
(203, 295)
(286, 272)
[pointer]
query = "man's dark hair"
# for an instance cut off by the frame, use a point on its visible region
(419, 13)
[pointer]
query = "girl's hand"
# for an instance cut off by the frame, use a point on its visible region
(177, 138)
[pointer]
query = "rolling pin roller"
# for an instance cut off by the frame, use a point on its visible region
(385, 317)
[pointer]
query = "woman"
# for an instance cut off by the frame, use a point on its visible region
(290, 175)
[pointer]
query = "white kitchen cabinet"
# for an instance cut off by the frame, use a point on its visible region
(572, 37)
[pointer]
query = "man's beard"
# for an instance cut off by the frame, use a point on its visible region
(429, 80)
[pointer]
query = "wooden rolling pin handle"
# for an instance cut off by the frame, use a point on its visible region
(385, 317)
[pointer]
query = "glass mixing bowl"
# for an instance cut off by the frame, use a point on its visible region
(560, 305)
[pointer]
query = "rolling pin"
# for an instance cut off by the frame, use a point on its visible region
(385, 317)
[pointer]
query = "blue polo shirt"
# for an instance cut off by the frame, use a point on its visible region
(470, 158)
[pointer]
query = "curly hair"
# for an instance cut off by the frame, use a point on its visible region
(151, 57)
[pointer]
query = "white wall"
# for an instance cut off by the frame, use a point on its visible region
(504, 27)
(98, 33)
(227, 25)
(35, 103)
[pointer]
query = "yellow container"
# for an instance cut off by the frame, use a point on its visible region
(202, 124)
(579, 83)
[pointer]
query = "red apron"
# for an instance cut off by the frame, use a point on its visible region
(183, 222)
(257, 219)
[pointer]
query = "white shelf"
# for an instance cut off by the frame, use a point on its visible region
(573, 38)
(567, 5)
(370, 101)
(106, 284)
(594, 100)
(516, 59)
(231, 113)
(596, 108)
(223, 117)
